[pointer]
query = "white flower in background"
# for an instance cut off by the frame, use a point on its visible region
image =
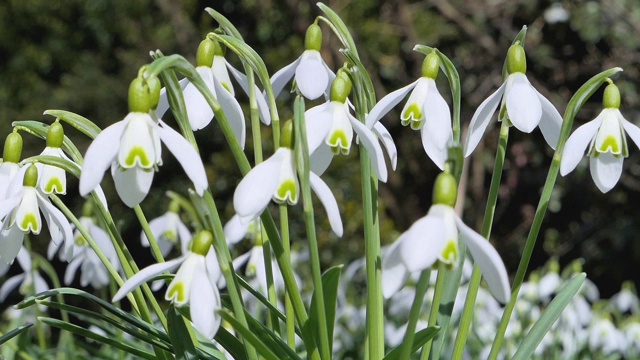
(426, 110)
(276, 179)
(626, 300)
(313, 77)
(331, 126)
(30, 281)
(632, 337)
(132, 149)
(9, 164)
(433, 240)
(169, 231)
(20, 214)
(605, 337)
(256, 271)
(195, 283)
(550, 282)
(605, 137)
(521, 104)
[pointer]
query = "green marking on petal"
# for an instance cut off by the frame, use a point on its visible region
(80, 241)
(30, 223)
(227, 86)
(610, 144)
(170, 236)
(339, 142)
(288, 191)
(412, 112)
(177, 292)
(54, 186)
(449, 255)
(137, 152)
(416, 124)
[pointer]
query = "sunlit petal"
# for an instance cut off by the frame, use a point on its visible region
(373, 148)
(436, 154)
(263, 108)
(632, 130)
(481, 119)
(257, 187)
(318, 121)
(328, 201)
(394, 273)
(100, 154)
(385, 137)
(221, 75)
(311, 77)
(424, 241)
(199, 112)
(606, 170)
(138, 147)
(387, 103)
(438, 117)
(145, 275)
(204, 302)
(523, 104)
(232, 111)
(236, 229)
(163, 103)
(575, 147)
(179, 290)
(132, 184)
(550, 122)
(282, 77)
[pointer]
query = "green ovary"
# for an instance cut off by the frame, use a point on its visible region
(339, 143)
(137, 153)
(54, 184)
(177, 292)
(30, 222)
(411, 113)
(288, 191)
(610, 144)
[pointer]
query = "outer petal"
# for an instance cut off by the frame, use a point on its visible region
(10, 284)
(318, 121)
(577, 143)
(373, 148)
(523, 104)
(199, 112)
(233, 112)
(394, 273)
(72, 268)
(282, 77)
(480, 120)
(236, 229)
(321, 159)
(437, 155)
(328, 201)
(437, 122)
(10, 243)
(606, 170)
(550, 122)
(387, 103)
(257, 188)
(311, 76)
(187, 156)
(57, 222)
(145, 275)
(489, 261)
(100, 154)
(163, 103)
(632, 130)
(385, 137)
(263, 108)
(220, 73)
(132, 184)
(204, 302)
(424, 241)
(158, 228)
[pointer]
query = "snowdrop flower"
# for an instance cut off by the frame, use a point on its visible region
(433, 240)
(604, 336)
(426, 110)
(632, 337)
(10, 159)
(626, 300)
(30, 281)
(549, 282)
(331, 126)
(53, 180)
(605, 137)
(194, 283)
(521, 104)
(20, 214)
(313, 77)
(169, 230)
(214, 70)
(275, 179)
(132, 149)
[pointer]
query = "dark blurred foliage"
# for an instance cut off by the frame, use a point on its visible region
(80, 56)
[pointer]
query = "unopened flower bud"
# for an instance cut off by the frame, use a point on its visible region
(431, 65)
(445, 190)
(13, 148)
(313, 38)
(516, 59)
(611, 98)
(55, 135)
(202, 242)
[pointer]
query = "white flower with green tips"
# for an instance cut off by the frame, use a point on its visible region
(425, 110)
(20, 214)
(522, 105)
(330, 130)
(606, 141)
(53, 180)
(30, 282)
(276, 179)
(312, 76)
(10, 159)
(132, 148)
(195, 283)
(433, 241)
(169, 231)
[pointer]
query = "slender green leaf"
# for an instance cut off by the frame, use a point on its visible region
(13, 333)
(226, 25)
(340, 28)
(79, 122)
(271, 339)
(261, 298)
(420, 338)
(179, 335)
(229, 343)
(91, 335)
(40, 130)
(66, 165)
(263, 349)
(549, 316)
(330, 283)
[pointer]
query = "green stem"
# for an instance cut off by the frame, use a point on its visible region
(414, 314)
(487, 223)
(286, 244)
(435, 308)
(155, 249)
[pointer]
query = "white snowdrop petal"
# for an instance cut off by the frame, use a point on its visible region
(318, 121)
(436, 154)
(437, 122)
(575, 147)
(550, 122)
(632, 130)
(394, 273)
(311, 76)
(423, 242)
(145, 275)
(10, 284)
(328, 201)
(263, 108)
(204, 302)
(100, 154)
(385, 137)
(132, 184)
(481, 119)
(321, 159)
(387, 103)
(220, 73)
(257, 187)
(235, 229)
(10, 243)
(606, 170)
(163, 103)
(232, 111)
(199, 112)
(282, 77)
(523, 104)
(373, 148)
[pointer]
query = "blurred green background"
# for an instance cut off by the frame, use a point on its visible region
(81, 55)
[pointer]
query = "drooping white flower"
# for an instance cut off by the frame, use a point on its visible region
(433, 240)
(20, 214)
(606, 141)
(521, 104)
(30, 282)
(9, 164)
(195, 283)
(626, 300)
(53, 180)
(168, 230)
(425, 110)
(132, 149)
(605, 337)
(313, 77)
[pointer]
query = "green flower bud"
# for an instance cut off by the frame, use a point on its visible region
(55, 135)
(516, 60)
(431, 65)
(139, 96)
(205, 53)
(341, 88)
(30, 176)
(611, 98)
(13, 148)
(313, 38)
(286, 135)
(202, 242)
(445, 190)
